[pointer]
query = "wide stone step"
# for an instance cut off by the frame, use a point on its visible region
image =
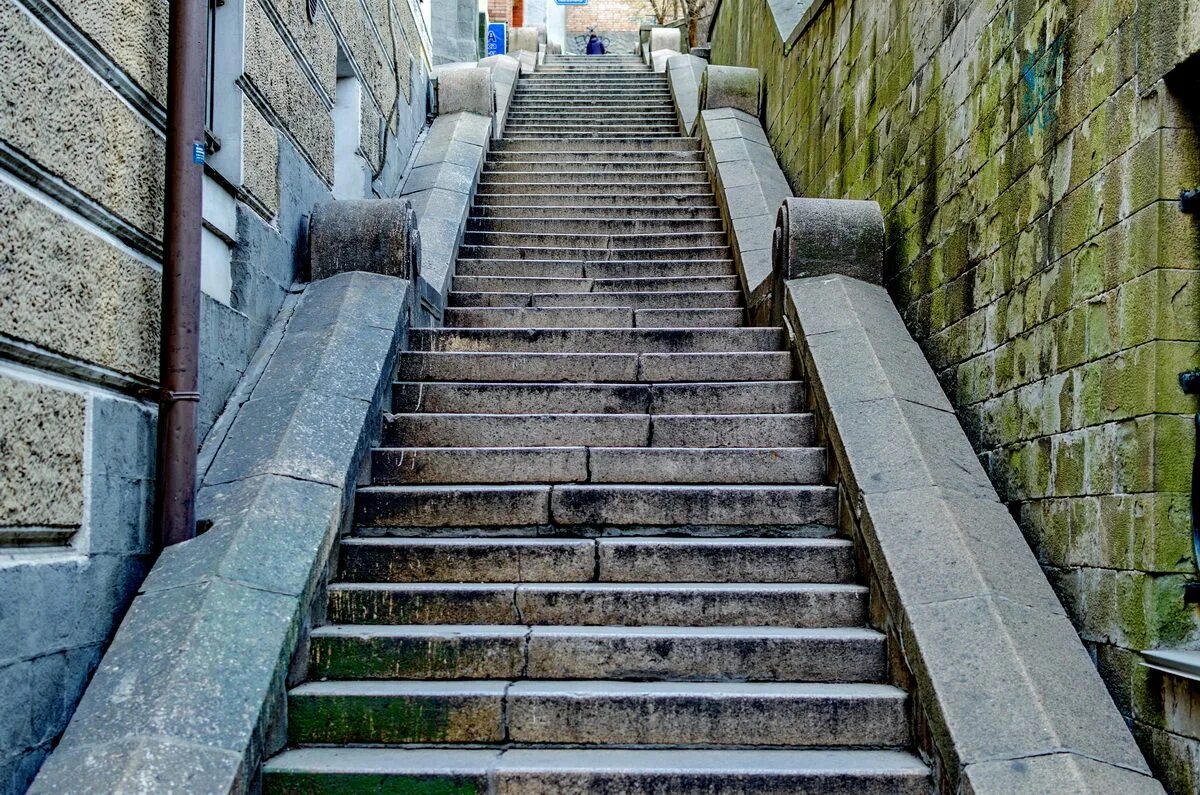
(569, 135)
(594, 367)
(803, 508)
(706, 200)
(597, 712)
(673, 187)
(598, 430)
(502, 465)
(755, 397)
(590, 604)
(525, 112)
(546, 285)
(624, 341)
(671, 178)
(590, 129)
(539, 317)
(594, 270)
(633, 158)
(657, 252)
(644, 144)
(629, 772)
(653, 227)
(689, 318)
(635, 213)
(661, 559)
(624, 167)
(585, 241)
(699, 299)
(707, 654)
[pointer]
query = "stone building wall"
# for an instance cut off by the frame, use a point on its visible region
(608, 16)
(1028, 155)
(81, 199)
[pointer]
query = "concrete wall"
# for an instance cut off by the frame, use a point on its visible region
(1027, 156)
(81, 197)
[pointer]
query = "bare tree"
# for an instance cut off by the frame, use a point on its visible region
(663, 10)
(695, 11)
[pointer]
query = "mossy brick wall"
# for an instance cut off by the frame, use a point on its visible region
(1027, 155)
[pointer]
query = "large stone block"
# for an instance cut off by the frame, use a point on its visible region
(814, 237)
(665, 39)
(467, 90)
(523, 39)
(41, 455)
(737, 87)
(684, 73)
(378, 236)
(506, 70)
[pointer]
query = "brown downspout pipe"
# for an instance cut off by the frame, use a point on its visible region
(179, 354)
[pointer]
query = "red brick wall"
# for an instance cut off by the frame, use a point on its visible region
(608, 16)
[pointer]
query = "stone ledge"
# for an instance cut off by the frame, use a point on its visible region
(750, 186)
(1009, 695)
(683, 75)
(189, 696)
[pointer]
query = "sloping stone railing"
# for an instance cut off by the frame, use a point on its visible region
(1006, 696)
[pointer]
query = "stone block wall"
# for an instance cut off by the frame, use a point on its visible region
(81, 202)
(1028, 156)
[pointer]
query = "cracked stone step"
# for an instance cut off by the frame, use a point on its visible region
(688, 318)
(591, 712)
(627, 559)
(539, 317)
(594, 367)
(658, 341)
(620, 269)
(630, 772)
(579, 464)
(601, 604)
(571, 226)
(598, 430)
(582, 303)
(542, 285)
(702, 654)
(599, 505)
(762, 397)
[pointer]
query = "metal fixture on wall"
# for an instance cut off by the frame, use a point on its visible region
(1189, 201)
(179, 353)
(1190, 383)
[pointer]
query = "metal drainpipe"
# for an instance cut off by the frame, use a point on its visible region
(179, 356)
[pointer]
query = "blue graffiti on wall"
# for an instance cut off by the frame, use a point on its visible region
(1040, 79)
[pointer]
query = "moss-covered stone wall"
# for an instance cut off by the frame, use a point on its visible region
(1028, 156)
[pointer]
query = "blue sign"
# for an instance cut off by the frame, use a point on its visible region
(497, 38)
(570, 2)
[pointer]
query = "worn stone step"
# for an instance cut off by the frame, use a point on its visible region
(609, 165)
(756, 397)
(584, 241)
(520, 771)
(598, 430)
(598, 712)
(702, 654)
(428, 465)
(473, 251)
(589, 129)
(658, 299)
(642, 144)
(568, 136)
(670, 178)
(664, 341)
(519, 112)
(688, 318)
(619, 269)
(536, 317)
(594, 367)
(576, 226)
(599, 506)
(647, 184)
(685, 156)
(629, 559)
(548, 285)
(577, 200)
(480, 213)
(600, 604)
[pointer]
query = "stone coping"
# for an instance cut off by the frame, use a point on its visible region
(749, 186)
(1010, 699)
(190, 696)
(683, 76)
(1184, 663)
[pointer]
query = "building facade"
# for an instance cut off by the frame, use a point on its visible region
(308, 100)
(1029, 159)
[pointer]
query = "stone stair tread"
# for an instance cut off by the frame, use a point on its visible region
(528, 363)
(763, 339)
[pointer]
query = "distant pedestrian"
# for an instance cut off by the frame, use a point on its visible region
(595, 46)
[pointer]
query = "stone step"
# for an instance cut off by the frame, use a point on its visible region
(606, 254)
(597, 712)
(381, 560)
(585, 241)
(535, 158)
(566, 131)
(624, 167)
(594, 270)
(669, 179)
(540, 317)
(520, 771)
(480, 214)
(523, 111)
(644, 144)
(461, 429)
(673, 187)
(689, 318)
(706, 200)
(593, 367)
(768, 340)
(702, 654)
(597, 226)
(603, 604)
(495, 303)
(598, 506)
(542, 285)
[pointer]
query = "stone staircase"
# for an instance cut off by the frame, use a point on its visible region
(597, 551)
